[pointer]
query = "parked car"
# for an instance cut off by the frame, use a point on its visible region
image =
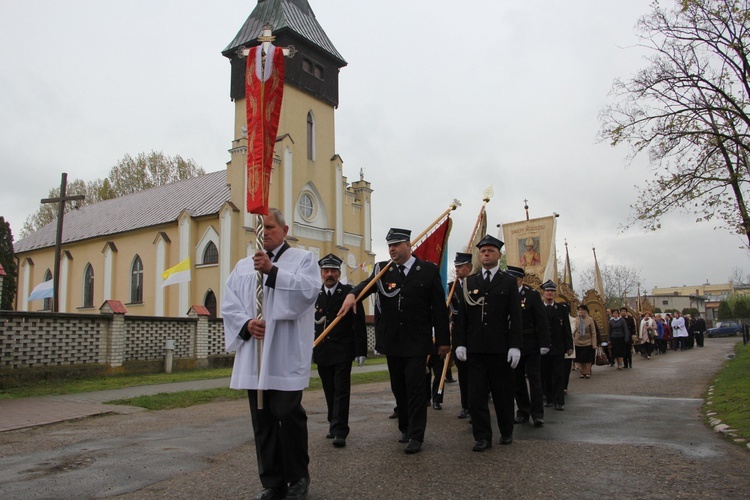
(725, 329)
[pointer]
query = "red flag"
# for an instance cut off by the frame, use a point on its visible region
(433, 246)
(264, 89)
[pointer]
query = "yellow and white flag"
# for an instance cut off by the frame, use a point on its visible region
(177, 274)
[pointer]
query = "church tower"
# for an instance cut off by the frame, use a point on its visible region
(324, 212)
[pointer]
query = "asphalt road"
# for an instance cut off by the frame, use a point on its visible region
(624, 434)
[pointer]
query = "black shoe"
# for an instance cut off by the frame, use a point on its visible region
(559, 407)
(547, 405)
(404, 438)
(329, 436)
(464, 413)
(481, 445)
(538, 422)
(298, 489)
(339, 442)
(451, 380)
(412, 447)
(394, 414)
(428, 402)
(271, 493)
(520, 420)
(437, 406)
(506, 439)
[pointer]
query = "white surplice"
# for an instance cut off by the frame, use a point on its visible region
(289, 313)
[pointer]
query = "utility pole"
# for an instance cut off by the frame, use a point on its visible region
(62, 199)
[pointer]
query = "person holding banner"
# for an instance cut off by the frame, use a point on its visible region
(292, 283)
(410, 306)
(488, 334)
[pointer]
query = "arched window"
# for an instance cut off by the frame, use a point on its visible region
(211, 254)
(88, 286)
(48, 301)
(136, 280)
(210, 303)
(310, 136)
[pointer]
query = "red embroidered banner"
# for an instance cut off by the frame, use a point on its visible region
(264, 89)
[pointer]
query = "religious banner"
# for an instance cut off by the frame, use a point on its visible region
(530, 244)
(264, 89)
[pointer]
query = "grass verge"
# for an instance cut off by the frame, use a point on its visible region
(731, 395)
(167, 401)
(65, 386)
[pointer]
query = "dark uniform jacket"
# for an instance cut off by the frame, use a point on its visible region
(535, 321)
(495, 327)
(404, 324)
(561, 337)
(348, 339)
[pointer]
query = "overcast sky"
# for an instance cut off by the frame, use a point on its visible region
(440, 100)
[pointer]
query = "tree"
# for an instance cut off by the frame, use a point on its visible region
(737, 277)
(741, 309)
(724, 312)
(129, 175)
(8, 261)
(618, 282)
(689, 110)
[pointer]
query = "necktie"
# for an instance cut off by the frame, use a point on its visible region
(270, 255)
(401, 269)
(487, 275)
(329, 294)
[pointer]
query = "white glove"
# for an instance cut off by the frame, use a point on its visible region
(543, 350)
(360, 360)
(514, 356)
(461, 353)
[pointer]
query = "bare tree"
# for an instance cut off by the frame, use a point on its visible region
(618, 282)
(129, 175)
(738, 276)
(689, 110)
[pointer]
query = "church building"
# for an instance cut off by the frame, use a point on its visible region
(119, 248)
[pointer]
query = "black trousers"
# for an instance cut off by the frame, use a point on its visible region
(408, 387)
(553, 371)
(280, 430)
(463, 382)
(337, 385)
(699, 338)
(434, 372)
(529, 395)
(490, 374)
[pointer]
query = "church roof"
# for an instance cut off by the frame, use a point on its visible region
(294, 15)
(202, 195)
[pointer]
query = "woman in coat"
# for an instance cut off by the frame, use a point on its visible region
(647, 334)
(619, 337)
(584, 339)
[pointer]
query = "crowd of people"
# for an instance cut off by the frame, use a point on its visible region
(655, 334)
(514, 346)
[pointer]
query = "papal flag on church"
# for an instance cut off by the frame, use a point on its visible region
(264, 89)
(177, 274)
(44, 290)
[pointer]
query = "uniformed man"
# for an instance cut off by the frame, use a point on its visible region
(561, 343)
(463, 265)
(410, 306)
(346, 342)
(488, 334)
(530, 398)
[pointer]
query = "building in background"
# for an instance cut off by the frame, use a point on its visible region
(119, 248)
